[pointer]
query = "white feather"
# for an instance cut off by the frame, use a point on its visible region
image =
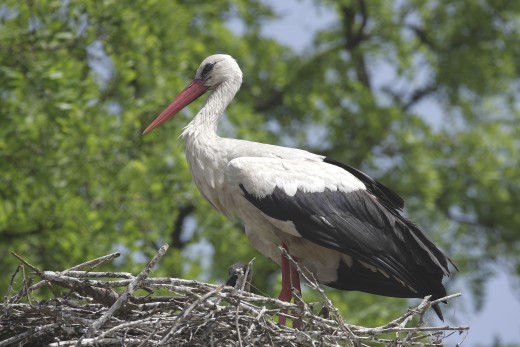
(260, 176)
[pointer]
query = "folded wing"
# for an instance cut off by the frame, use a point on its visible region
(350, 213)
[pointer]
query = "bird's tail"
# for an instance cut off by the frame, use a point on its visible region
(438, 311)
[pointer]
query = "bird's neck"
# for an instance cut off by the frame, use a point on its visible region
(205, 123)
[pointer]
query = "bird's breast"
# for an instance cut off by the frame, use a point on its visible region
(207, 170)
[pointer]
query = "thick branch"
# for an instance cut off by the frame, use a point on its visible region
(355, 36)
(408, 102)
(176, 233)
(418, 95)
(422, 36)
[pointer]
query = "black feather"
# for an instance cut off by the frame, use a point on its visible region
(379, 190)
(235, 271)
(356, 277)
(367, 229)
(206, 70)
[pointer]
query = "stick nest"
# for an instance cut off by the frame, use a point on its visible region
(93, 308)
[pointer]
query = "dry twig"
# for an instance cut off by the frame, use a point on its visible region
(88, 311)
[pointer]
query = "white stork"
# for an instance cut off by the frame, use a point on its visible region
(337, 222)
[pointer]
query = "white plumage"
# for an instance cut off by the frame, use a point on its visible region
(336, 221)
(262, 175)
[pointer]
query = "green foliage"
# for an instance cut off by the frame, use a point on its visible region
(79, 81)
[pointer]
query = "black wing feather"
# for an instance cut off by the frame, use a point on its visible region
(394, 204)
(364, 227)
(387, 196)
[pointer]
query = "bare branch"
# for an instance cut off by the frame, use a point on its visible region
(194, 313)
(129, 290)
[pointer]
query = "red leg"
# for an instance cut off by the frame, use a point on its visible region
(295, 284)
(285, 293)
(290, 281)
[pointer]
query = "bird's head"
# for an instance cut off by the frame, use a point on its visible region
(214, 71)
(217, 69)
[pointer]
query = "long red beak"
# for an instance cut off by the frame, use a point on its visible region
(190, 93)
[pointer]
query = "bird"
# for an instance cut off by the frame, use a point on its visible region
(339, 224)
(236, 271)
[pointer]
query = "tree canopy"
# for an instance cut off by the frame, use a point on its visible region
(79, 81)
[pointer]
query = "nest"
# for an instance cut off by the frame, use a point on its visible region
(87, 310)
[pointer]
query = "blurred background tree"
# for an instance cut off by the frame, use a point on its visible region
(80, 80)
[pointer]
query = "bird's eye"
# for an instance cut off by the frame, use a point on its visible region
(206, 70)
